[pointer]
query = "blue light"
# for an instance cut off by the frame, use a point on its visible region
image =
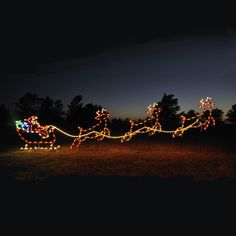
(26, 126)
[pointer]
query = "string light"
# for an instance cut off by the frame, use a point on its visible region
(150, 125)
(32, 133)
(101, 116)
(153, 111)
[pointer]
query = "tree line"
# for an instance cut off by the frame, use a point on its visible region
(77, 113)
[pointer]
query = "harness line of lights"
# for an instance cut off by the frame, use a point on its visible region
(32, 133)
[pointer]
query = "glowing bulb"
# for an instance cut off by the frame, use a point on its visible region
(150, 125)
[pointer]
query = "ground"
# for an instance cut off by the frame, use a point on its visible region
(173, 173)
(165, 160)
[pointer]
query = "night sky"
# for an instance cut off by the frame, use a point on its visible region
(123, 62)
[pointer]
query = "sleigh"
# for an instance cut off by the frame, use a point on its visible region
(35, 135)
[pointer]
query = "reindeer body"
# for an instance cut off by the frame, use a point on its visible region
(92, 133)
(145, 126)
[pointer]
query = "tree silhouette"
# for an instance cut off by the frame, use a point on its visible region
(191, 113)
(81, 115)
(232, 114)
(7, 129)
(119, 125)
(87, 117)
(218, 115)
(28, 105)
(4, 118)
(169, 108)
(51, 112)
(74, 111)
(46, 109)
(59, 112)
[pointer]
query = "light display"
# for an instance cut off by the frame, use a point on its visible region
(101, 116)
(153, 111)
(32, 133)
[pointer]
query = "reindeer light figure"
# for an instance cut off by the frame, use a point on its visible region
(149, 125)
(32, 133)
(102, 117)
(200, 120)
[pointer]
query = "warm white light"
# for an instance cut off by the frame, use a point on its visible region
(150, 125)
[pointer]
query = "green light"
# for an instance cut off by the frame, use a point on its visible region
(18, 124)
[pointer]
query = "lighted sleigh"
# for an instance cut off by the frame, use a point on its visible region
(35, 135)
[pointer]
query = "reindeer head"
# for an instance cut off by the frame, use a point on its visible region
(102, 115)
(153, 110)
(206, 104)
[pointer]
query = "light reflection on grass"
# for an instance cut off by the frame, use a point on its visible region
(140, 159)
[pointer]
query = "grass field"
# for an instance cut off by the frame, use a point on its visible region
(166, 160)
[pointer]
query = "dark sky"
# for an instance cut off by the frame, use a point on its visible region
(123, 57)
